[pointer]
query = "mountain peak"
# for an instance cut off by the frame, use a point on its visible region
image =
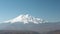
(26, 18)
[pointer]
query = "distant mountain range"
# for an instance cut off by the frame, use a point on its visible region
(29, 23)
(53, 32)
(17, 32)
(44, 27)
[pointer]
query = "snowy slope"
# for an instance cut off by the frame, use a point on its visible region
(26, 18)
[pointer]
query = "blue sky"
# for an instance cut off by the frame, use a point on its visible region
(45, 9)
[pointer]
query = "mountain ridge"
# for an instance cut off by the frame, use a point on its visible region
(26, 18)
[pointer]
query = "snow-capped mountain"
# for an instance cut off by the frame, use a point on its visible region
(26, 18)
(19, 23)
